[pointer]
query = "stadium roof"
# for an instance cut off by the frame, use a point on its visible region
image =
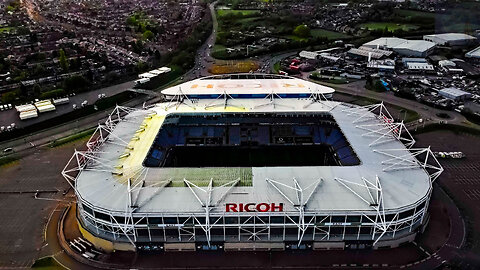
(246, 84)
(132, 137)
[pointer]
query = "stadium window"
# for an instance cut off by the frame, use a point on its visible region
(338, 218)
(336, 230)
(231, 220)
(87, 209)
(216, 231)
(420, 207)
(406, 214)
(291, 231)
(170, 220)
(140, 220)
(155, 220)
(200, 220)
(353, 218)
(246, 220)
(142, 232)
(366, 230)
(389, 217)
(231, 231)
(351, 230)
(156, 233)
(184, 220)
(102, 216)
(171, 232)
(294, 218)
(118, 219)
(216, 220)
(276, 219)
(321, 219)
(276, 231)
(263, 220)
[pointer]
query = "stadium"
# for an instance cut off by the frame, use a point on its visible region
(251, 162)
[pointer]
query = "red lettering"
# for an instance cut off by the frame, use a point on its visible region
(276, 208)
(231, 207)
(263, 207)
(253, 207)
(247, 207)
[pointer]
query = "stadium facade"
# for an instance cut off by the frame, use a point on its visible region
(251, 161)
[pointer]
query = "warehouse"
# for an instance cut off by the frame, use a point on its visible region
(454, 94)
(405, 47)
(415, 48)
(451, 39)
(473, 54)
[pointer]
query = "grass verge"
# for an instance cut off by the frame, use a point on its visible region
(47, 263)
(72, 138)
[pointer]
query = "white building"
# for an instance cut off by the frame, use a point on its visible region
(415, 48)
(385, 43)
(454, 93)
(308, 55)
(475, 53)
(450, 39)
(419, 66)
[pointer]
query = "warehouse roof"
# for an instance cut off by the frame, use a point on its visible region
(451, 36)
(452, 91)
(475, 53)
(415, 45)
(385, 42)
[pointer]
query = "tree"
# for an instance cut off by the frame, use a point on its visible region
(148, 35)
(75, 83)
(63, 60)
(37, 90)
(302, 31)
(158, 56)
(9, 97)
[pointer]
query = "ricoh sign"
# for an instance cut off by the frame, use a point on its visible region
(254, 207)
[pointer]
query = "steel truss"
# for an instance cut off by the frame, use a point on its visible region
(179, 99)
(374, 200)
(318, 97)
(272, 100)
(226, 97)
(300, 201)
(207, 202)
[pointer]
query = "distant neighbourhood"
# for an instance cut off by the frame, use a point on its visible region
(66, 50)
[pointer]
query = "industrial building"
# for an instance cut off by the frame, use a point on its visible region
(385, 43)
(415, 48)
(473, 54)
(454, 94)
(451, 39)
(405, 47)
(241, 161)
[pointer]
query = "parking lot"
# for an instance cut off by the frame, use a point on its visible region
(461, 176)
(30, 189)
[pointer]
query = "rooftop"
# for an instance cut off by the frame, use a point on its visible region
(131, 139)
(452, 36)
(415, 45)
(246, 84)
